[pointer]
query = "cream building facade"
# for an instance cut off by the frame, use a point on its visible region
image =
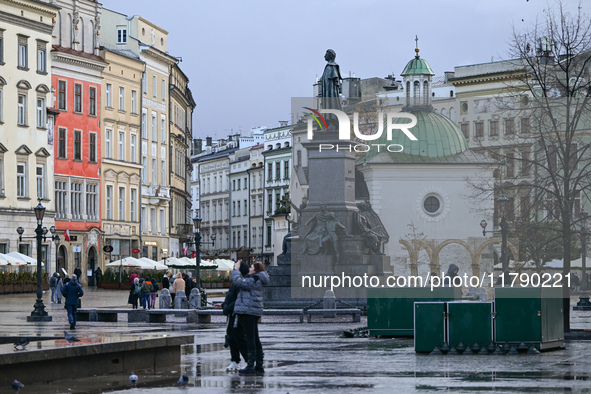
(121, 168)
(26, 130)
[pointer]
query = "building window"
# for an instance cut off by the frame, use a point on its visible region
(61, 143)
(465, 128)
(132, 204)
(76, 197)
(509, 127)
(432, 205)
(144, 83)
(1, 53)
(2, 193)
(92, 101)
(91, 202)
(121, 204)
(121, 146)
(163, 173)
(163, 128)
(108, 94)
(525, 163)
(77, 97)
(154, 86)
(145, 170)
(153, 220)
(525, 125)
(40, 181)
(144, 219)
(478, 129)
(108, 139)
(23, 61)
(510, 165)
(245, 207)
(134, 102)
(22, 109)
(277, 170)
(144, 125)
(77, 145)
(92, 148)
(61, 95)
(154, 129)
(162, 223)
(121, 36)
(61, 199)
(268, 240)
(154, 173)
(109, 202)
(121, 98)
(1, 106)
(132, 148)
(41, 113)
(493, 128)
(285, 170)
(41, 57)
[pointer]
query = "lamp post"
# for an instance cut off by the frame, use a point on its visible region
(39, 313)
(197, 223)
(504, 230)
(56, 240)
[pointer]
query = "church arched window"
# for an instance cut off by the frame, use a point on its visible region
(425, 93)
(417, 93)
(407, 93)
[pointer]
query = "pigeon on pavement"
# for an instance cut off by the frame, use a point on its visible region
(183, 380)
(17, 386)
(22, 342)
(70, 338)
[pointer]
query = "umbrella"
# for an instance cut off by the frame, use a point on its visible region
(9, 260)
(126, 262)
(156, 265)
(178, 262)
(22, 259)
(224, 265)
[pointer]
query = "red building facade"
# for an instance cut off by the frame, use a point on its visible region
(76, 81)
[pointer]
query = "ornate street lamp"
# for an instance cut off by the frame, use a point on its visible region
(197, 223)
(502, 201)
(39, 313)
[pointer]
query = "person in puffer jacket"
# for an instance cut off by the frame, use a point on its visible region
(249, 308)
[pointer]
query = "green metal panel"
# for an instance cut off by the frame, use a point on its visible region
(391, 311)
(470, 322)
(429, 319)
(530, 315)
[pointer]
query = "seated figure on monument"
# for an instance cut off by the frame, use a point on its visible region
(371, 227)
(322, 237)
(285, 256)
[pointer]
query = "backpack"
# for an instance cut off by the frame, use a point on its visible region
(155, 287)
(137, 290)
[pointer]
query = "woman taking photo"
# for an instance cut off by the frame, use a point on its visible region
(249, 308)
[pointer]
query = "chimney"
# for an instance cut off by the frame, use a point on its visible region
(283, 123)
(207, 141)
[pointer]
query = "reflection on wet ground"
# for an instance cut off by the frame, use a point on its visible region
(310, 357)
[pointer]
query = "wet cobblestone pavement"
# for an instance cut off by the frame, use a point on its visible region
(303, 357)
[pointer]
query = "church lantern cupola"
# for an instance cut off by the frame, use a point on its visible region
(416, 78)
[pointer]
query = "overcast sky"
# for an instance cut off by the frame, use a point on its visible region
(246, 59)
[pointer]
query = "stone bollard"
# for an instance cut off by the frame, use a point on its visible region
(180, 300)
(194, 299)
(165, 299)
(329, 302)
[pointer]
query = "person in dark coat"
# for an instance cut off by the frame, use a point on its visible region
(98, 273)
(234, 335)
(77, 272)
(72, 291)
(134, 293)
(189, 284)
(52, 286)
(166, 280)
(249, 308)
(451, 273)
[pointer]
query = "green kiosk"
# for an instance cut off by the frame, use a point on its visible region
(391, 311)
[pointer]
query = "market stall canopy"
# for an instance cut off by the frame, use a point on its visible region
(178, 262)
(578, 263)
(224, 264)
(126, 262)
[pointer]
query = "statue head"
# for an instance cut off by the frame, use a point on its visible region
(330, 55)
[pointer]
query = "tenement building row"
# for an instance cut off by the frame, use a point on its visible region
(95, 121)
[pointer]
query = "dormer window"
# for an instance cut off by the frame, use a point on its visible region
(121, 35)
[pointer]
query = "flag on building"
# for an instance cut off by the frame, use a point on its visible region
(66, 235)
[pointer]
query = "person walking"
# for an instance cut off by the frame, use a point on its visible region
(146, 289)
(132, 277)
(178, 284)
(58, 289)
(234, 334)
(98, 273)
(249, 308)
(166, 280)
(52, 285)
(189, 284)
(72, 291)
(134, 293)
(154, 293)
(78, 272)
